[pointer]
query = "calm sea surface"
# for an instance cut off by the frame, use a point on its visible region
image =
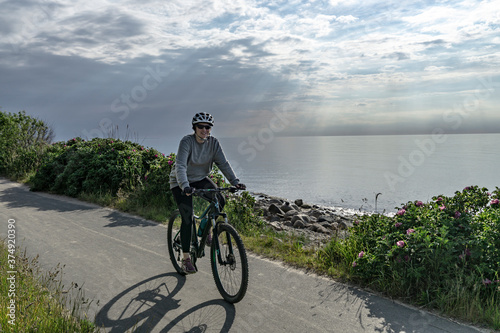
(348, 171)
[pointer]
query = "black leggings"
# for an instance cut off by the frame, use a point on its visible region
(185, 204)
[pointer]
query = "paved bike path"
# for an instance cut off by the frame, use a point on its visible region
(122, 263)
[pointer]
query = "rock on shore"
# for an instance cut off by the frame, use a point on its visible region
(284, 215)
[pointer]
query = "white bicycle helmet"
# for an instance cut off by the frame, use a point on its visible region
(203, 117)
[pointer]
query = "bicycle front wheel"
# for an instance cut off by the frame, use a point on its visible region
(229, 263)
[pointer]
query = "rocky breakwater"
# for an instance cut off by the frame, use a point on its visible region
(316, 221)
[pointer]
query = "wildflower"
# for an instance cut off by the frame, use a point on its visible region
(419, 204)
(486, 282)
(494, 202)
(356, 222)
(398, 224)
(354, 264)
(163, 155)
(443, 207)
(133, 150)
(401, 212)
(400, 243)
(457, 214)
(361, 254)
(156, 155)
(439, 199)
(111, 141)
(410, 231)
(170, 162)
(467, 188)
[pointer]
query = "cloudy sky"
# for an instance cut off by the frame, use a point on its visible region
(287, 67)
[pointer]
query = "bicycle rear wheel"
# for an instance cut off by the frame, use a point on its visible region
(174, 241)
(231, 272)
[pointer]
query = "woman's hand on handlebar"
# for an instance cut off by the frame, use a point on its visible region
(188, 190)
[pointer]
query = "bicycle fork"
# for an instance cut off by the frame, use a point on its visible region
(222, 261)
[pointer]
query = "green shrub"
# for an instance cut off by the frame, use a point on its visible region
(97, 166)
(241, 212)
(426, 250)
(23, 142)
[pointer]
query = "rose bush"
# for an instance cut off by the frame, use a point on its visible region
(427, 251)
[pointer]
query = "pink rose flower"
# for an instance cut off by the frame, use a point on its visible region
(361, 254)
(419, 204)
(401, 212)
(398, 224)
(400, 243)
(410, 231)
(354, 264)
(443, 207)
(457, 214)
(494, 202)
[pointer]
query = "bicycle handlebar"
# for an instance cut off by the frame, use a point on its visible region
(231, 189)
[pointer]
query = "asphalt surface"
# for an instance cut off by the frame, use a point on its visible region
(121, 264)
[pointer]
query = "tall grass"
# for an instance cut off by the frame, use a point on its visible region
(41, 304)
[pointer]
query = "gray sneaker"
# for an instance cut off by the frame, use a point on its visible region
(187, 266)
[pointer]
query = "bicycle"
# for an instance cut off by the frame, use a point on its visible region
(227, 254)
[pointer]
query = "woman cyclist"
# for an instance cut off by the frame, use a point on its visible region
(195, 156)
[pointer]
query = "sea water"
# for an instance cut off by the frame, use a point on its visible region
(366, 173)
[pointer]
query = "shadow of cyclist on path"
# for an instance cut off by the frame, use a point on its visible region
(143, 306)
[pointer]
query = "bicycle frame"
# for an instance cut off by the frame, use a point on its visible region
(228, 257)
(212, 212)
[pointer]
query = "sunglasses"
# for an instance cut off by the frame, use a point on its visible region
(207, 127)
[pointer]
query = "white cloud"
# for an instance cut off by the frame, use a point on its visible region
(436, 68)
(346, 19)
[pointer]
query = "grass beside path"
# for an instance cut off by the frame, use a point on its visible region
(33, 301)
